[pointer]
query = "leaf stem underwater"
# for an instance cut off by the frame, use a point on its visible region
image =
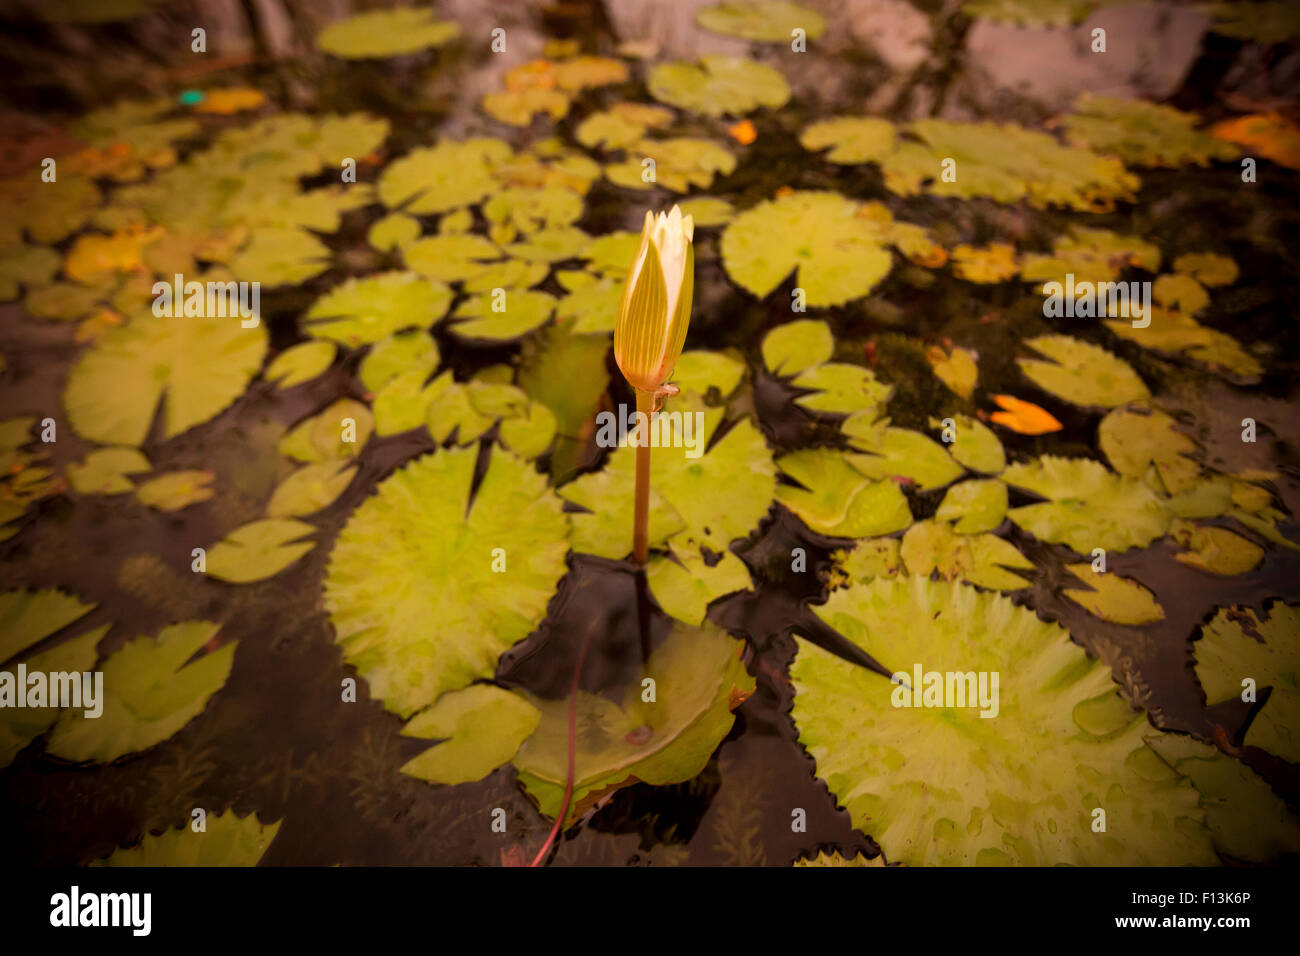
(641, 520)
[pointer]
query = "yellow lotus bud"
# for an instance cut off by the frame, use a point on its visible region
(656, 305)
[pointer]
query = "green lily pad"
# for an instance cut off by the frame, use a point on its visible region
(194, 366)
(592, 303)
(684, 584)
(403, 402)
(476, 319)
(174, 490)
(450, 175)
(791, 348)
(762, 21)
(839, 253)
(1113, 598)
(411, 590)
(622, 125)
(699, 678)
(63, 301)
(150, 693)
(277, 256)
(1181, 293)
(481, 728)
(1136, 438)
(393, 231)
(401, 353)
(1207, 268)
(1082, 373)
(837, 499)
(679, 164)
(1088, 507)
(873, 558)
(528, 209)
(28, 617)
(1215, 549)
(957, 368)
(707, 211)
(518, 107)
(1007, 164)
(322, 437)
(1238, 644)
(226, 840)
(552, 245)
(940, 784)
(1092, 255)
(379, 34)
(974, 506)
(50, 212)
(1142, 133)
(310, 489)
(975, 445)
(366, 310)
(853, 139)
(24, 265)
(301, 363)
(451, 258)
(1174, 333)
(719, 86)
(902, 453)
(983, 559)
(104, 471)
(259, 550)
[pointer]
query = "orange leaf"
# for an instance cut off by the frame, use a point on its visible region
(743, 132)
(1024, 417)
(1271, 135)
(229, 101)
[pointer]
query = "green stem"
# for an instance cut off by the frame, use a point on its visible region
(641, 522)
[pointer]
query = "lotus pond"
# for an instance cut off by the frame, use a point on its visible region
(352, 561)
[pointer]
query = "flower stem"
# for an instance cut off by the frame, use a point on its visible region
(641, 522)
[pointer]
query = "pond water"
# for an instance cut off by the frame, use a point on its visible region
(766, 782)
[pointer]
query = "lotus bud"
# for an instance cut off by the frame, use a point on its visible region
(656, 305)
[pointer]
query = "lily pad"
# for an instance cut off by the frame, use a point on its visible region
(277, 256)
(679, 164)
(259, 550)
(957, 368)
(1238, 644)
(974, 444)
(1092, 255)
(366, 310)
(174, 490)
(194, 366)
(417, 606)
(339, 431)
(763, 21)
(940, 784)
(393, 231)
(226, 840)
(379, 34)
(1215, 549)
(413, 351)
(104, 471)
(700, 677)
(1207, 268)
(853, 139)
(902, 453)
(836, 245)
(1136, 438)
(791, 348)
(1113, 598)
(477, 318)
(718, 86)
(834, 498)
(150, 693)
(310, 489)
(1082, 373)
(444, 177)
(974, 506)
(301, 363)
(1177, 334)
(622, 125)
(983, 559)
(481, 728)
(1142, 133)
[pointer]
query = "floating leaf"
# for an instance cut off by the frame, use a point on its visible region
(684, 584)
(196, 366)
(379, 34)
(1032, 13)
(451, 258)
(1142, 133)
(528, 209)
(277, 256)
(837, 499)
(1082, 373)
(518, 107)
(975, 506)
(1091, 255)
(982, 559)
(175, 490)
(854, 139)
(702, 666)
(477, 317)
(150, 693)
(400, 353)
(995, 262)
(1133, 439)
(719, 86)
(309, 489)
(444, 177)
(592, 305)
(902, 453)
(1181, 293)
(226, 840)
(679, 164)
(940, 784)
(1113, 598)
(230, 100)
(24, 265)
(1177, 334)
(1237, 644)
(552, 245)
(393, 231)
(259, 550)
(27, 617)
(840, 388)
(104, 471)
(325, 437)
(1215, 549)
(621, 125)
(1270, 135)
(481, 728)
(836, 244)
(411, 589)
(1087, 506)
(974, 445)
(763, 21)
(791, 348)
(367, 310)
(707, 211)
(301, 363)
(956, 368)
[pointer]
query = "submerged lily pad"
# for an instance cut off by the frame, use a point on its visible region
(719, 86)
(378, 34)
(174, 490)
(309, 489)
(226, 840)
(699, 677)
(194, 366)
(481, 728)
(1238, 645)
(104, 471)
(836, 245)
(150, 693)
(259, 550)
(941, 784)
(411, 589)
